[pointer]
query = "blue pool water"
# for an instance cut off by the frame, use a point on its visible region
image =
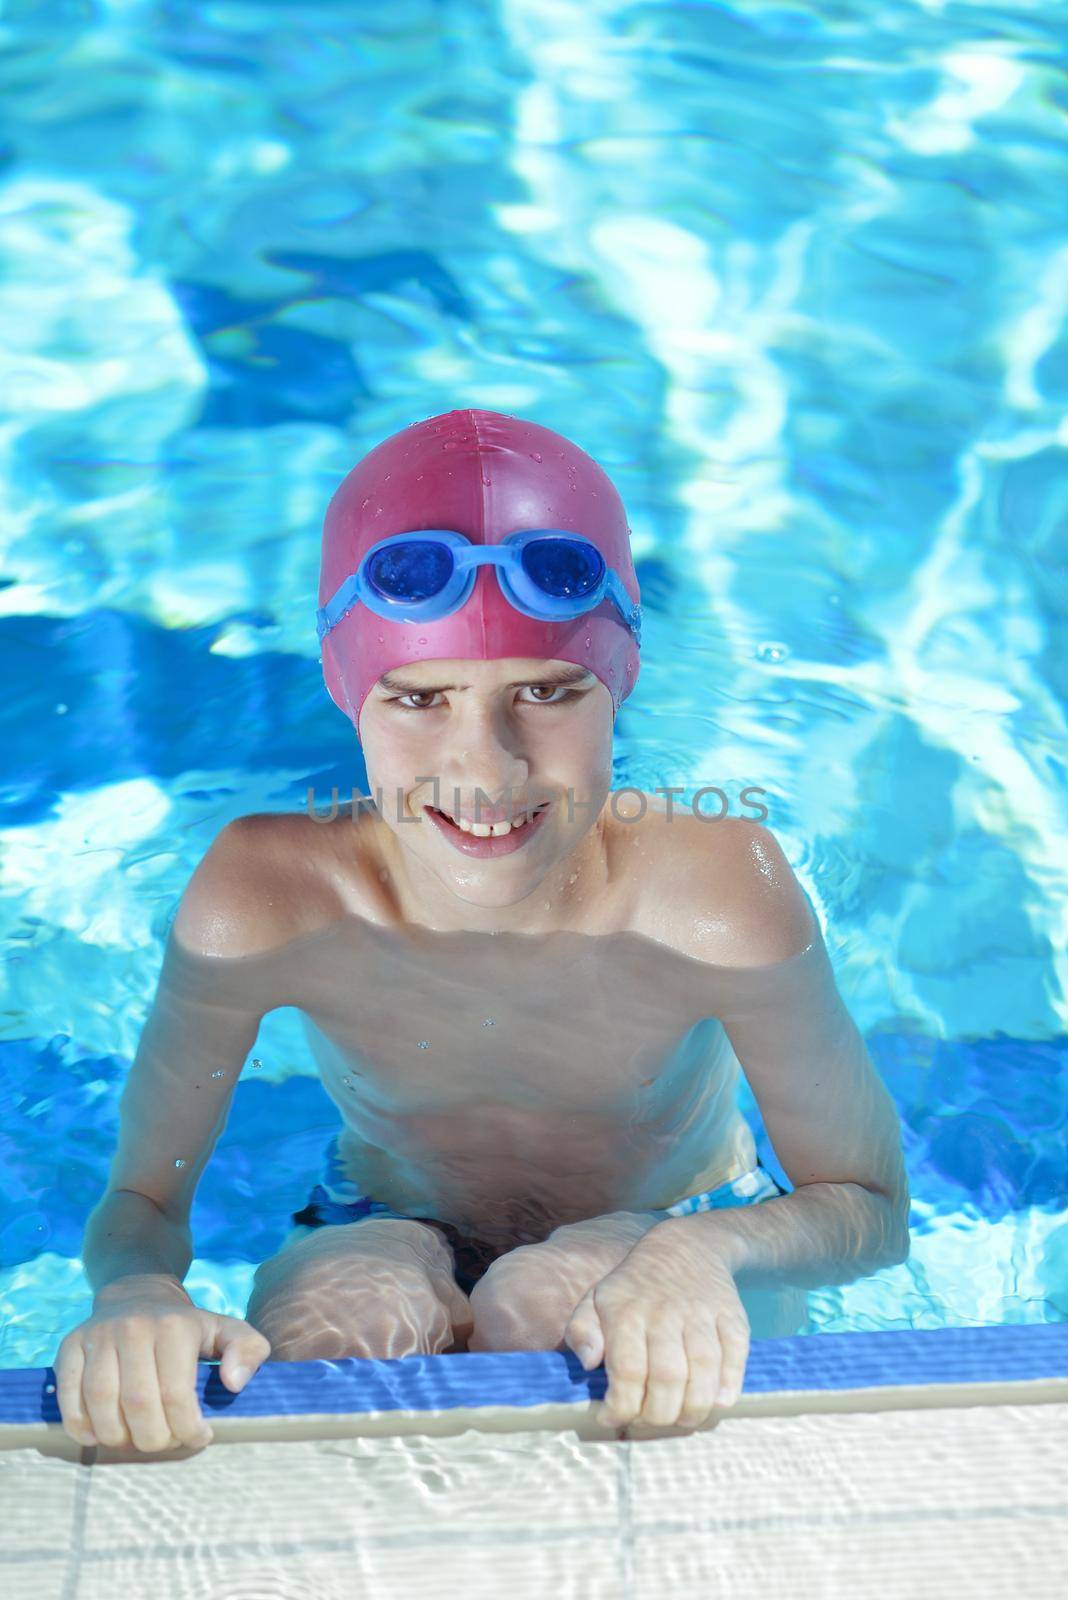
(797, 278)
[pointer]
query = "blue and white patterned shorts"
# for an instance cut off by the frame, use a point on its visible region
(336, 1199)
(745, 1190)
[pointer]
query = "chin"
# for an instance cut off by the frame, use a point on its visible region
(483, 891)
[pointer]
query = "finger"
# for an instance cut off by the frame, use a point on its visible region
(241, 1350)
(584, 1332)
(176, 1368)
(668, 1375)
(69, 1368)
(627, 1364)
(704, 1357)
(139, 1396)
(734, 1341)
(100, 1389)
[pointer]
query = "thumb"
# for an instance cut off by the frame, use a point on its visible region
(583, 1333)
(241, 1350)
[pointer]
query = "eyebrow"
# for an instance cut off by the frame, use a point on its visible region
(551, 675)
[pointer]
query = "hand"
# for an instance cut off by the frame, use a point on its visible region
(670, 1327)
(127, 1375)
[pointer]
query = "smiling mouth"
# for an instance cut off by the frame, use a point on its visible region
(491, 830)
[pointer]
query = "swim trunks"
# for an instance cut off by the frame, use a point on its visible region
(336, 1200)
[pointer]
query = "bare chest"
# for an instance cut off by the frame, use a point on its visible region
(565, 1075)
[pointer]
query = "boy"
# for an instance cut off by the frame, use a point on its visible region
(532, 1031)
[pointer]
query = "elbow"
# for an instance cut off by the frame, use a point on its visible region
(893, 1240)
(899, 1252)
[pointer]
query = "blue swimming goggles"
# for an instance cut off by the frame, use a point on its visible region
(420, 576)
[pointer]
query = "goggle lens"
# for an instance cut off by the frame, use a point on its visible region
(413, 571)
(562, 567)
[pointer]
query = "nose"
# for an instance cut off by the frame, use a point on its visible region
(486, 756)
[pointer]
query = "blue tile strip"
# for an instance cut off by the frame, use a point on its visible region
(827, 1361)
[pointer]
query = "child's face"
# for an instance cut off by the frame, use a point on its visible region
(509, 728)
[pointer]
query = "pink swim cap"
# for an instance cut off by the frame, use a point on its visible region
(485, 475)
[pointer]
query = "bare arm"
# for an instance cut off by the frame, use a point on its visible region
(173, 1109)
(830, 1118)
(126, 1236)
(820, 1234)
(669, 1322)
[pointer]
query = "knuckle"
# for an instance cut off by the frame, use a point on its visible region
(168, 1321)
(623, 1303)
(627, 1374)
(662, 1383)
(130, 1325)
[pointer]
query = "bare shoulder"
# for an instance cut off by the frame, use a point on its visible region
(723, 891)
(260, 883)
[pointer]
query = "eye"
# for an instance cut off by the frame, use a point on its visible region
(553, 688)
(417, 694)
(543, 688)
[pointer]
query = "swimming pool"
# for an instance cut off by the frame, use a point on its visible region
(794, 276)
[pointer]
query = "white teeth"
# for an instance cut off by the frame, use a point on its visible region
(483, 830)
